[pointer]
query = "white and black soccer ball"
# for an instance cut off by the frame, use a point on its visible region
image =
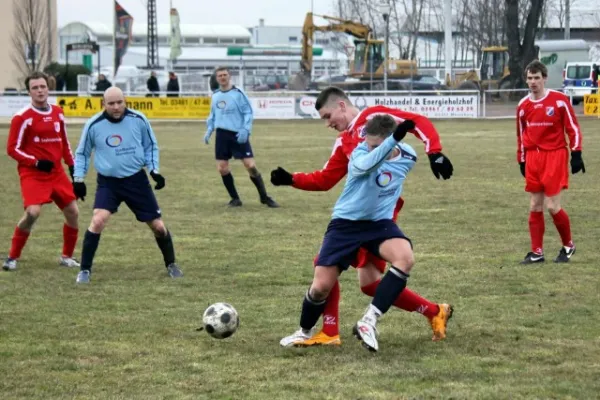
(220, 320)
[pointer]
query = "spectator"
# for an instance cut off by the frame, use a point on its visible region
(102, 85)
(152, 85)
(173, 85)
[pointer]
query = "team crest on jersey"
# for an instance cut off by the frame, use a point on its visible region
(57, 126)
(363, 132)
(383, 179)
(221, 104)
(549, 111)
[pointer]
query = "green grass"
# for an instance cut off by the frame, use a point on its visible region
(517, 332)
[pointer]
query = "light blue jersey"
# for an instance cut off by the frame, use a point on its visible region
(230, 110)
(374, 183)
(122, 147)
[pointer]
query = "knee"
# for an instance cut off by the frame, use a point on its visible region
(158, 228)
(536, 204)
(223, 169)
(98, 223)
(319, 290)
(405, 262)
(32, 214)
(71, 211)
(553, 208)
(253, 171)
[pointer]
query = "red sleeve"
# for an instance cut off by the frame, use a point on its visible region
(326, 178)
(571, 125)
(16, 135)
(424, 130)
(520, 132)
(67, 153)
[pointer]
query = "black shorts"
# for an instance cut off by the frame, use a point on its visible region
(135, 191)
(344, 238)
(227, 146)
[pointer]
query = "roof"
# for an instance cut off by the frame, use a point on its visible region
(199, 30)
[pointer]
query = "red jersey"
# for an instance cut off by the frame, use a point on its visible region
(38, 135)
(541, 124)
(337, 166)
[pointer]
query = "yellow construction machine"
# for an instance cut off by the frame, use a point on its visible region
(493, 73)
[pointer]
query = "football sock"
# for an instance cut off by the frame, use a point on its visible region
(230, 185)
(90, 245)
(19, 240)
(536, 231)
(69, 240)
(331, 313)
(388, 290)
(407, 301)
(165, 244)
(260, 186)
(311, 311)
(563, 225)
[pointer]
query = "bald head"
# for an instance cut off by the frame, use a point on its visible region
(114, 102)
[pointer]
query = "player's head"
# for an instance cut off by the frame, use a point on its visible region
(379, 128)
(335, 108)
(536, 75)
(37, 86)
(114, 102)
(223, 77)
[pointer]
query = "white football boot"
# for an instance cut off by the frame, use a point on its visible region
(297, 338)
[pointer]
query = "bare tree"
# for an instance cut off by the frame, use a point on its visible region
(29, 38)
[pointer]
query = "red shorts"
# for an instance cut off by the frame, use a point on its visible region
(363, 257)
(546, 171)
(38, 189)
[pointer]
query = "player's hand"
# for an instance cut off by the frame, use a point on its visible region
(80, 190)
(159, 179)
(402, 129)
(207, 137)
(577, 162)
(441, 165)
(72, 172)
(522, 166)
(281, 177)
(242, 137)
(44, 165)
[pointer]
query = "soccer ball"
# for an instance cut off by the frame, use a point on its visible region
(221, 320)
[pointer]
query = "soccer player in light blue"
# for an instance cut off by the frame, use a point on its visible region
(124, 144)
(362, 217)
(231, 116)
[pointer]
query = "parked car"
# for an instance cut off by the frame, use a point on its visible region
(255, 84)
(276, 82)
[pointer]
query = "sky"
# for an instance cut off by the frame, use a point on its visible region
(238, 12)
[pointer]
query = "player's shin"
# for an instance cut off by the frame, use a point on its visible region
(69, 240)
(90, 245)
(388, 290)
(165, 244)
(260, 185)
(230, 186)
(311, 311)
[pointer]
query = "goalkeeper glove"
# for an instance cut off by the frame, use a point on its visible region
(402, 129)
(522, 166)
(80, 190)
(159, 179)
(44, 165)
(280, 177)
(242, 137)
(577, 162)
(441, 165)
(207, 137)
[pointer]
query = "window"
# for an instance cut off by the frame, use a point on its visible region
(226, 40)
(579, 72)
(242, 41)
(293, 39)
(210, 40)
(322, 41)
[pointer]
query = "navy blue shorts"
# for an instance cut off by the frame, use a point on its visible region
(344, 238)
(135, 191)
(227, 146)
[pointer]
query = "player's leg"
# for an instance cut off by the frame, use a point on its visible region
(245, 152)
(223, 152)
(534, 167)
(165, 244)
(64, 198)
(563, 226)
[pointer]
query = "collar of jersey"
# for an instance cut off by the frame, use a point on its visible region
(115, 120)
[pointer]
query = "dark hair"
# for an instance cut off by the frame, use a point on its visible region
(536, 66)
(222, 68)
(380, 125)
(35, 75)
(328, 94)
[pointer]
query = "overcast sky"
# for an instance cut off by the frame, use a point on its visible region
(239, 12)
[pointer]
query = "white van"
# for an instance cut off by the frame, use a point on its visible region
(579, 79)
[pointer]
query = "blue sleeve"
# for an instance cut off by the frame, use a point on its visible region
(210, 122)
(84, 151)
(246, 109)
(150, 146)
(362, 161)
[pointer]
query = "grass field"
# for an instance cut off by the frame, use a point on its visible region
(517, 332)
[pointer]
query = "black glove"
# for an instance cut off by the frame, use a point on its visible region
(158, 178)
(44, 165)
(441, 165)
(522, 166)
(402, 129)
(80, 190)
(577, 162)
(280, 177)
(71, 172)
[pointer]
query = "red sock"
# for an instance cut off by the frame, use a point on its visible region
(69, 240)
(563, 225)
(331, 324)
(536, 231)
(407, 300)
(18, 242)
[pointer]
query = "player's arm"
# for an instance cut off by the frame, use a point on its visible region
(67, 154)
(150, 145)
(521, 128)
(84, 152)
(17, 132)
(324, 179)
(210, 122)
(571, 124)
(363, 162)
(246, 109)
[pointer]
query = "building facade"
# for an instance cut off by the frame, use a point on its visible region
(13, 69)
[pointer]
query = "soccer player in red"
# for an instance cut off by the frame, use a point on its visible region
(336, 109)
(37, 141)
(543, 118)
